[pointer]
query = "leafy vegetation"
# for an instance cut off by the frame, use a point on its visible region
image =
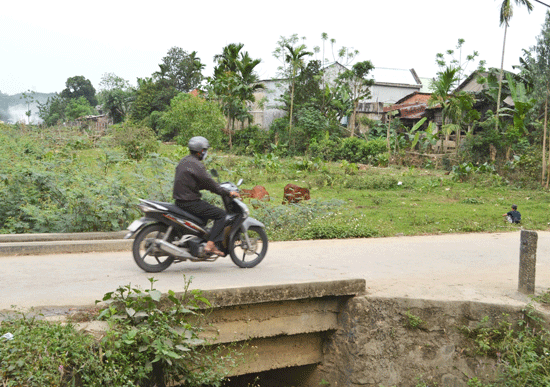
(521, 349)
(150, 341)
(66, 180)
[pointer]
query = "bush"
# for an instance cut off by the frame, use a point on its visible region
(191, 116)
(136, 140)
(151, 341)
(521, 348)
(48, 354)
(154, 340)
(250, 140)
(324, 147)
(295, 142)
(356, 150)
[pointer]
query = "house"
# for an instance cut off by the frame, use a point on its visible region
(409, 109)
(472, 86)
(390, 85)
(267, 109)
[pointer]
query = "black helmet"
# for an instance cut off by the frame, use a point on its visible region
(514, 207)
(198, 144)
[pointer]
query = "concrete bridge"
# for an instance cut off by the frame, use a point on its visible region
(305, 306)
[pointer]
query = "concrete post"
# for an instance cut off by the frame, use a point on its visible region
(527, 261)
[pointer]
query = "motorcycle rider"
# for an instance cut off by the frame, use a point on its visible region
(191, 177)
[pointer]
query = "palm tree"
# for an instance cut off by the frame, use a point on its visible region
(227, 60)
(506, 13)
(234, 83)
(249, 78)
(441, 87)
(295, 58)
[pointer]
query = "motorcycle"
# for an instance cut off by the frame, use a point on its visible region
(167, 234)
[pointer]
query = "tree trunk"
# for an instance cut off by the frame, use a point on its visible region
(501, 73)
(544, 141)
(291, 107)
(388, 141)
(352, 120)
(457, 140)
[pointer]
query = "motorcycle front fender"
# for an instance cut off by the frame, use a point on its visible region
(245, 225)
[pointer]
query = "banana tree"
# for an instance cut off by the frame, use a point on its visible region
(295, 58)
(506, 13)
(519, 113)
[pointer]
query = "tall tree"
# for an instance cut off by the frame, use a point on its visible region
(151, 95)
(79, 86)
(28, 96)
(506, 13)
(233, 84)
(535, 71)
(227, 60)
(182, 69)
(295, 59)
(456, 106)
(116, 96)
(359, 85)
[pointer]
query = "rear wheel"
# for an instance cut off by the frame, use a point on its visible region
(146, 254)
(248, 252)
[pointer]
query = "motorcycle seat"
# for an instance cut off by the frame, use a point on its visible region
(174, 208)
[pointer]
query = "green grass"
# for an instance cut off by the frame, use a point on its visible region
(92, 187)
(427, 202)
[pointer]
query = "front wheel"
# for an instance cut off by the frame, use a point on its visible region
(146, 254)
(248, 252)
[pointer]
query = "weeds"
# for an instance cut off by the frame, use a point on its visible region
(59, 180)
(522, 350)
(152, 340)
(412, 321)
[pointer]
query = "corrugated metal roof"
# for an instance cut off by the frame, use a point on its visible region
(389, 75)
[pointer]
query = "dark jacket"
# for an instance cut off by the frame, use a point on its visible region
(191, 177)
(515, 215)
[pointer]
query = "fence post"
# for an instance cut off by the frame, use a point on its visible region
(527, 261)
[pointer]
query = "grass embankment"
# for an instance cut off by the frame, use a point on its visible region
(63, 181)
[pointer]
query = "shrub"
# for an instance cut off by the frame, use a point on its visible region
(136, 140)
(250, 140)
(282, 221)
(521, 349)
(152, 340)
(324, 147)
(155, 339)
(313, 123)
(49, 354)
(295, 142)
(356, 150)
(191, 116)
(334, 230)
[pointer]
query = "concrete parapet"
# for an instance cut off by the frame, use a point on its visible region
(46, 237)
(59, 243)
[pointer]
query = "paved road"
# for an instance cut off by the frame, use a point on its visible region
(479, 267)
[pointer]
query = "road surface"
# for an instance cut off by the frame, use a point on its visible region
(477, 267)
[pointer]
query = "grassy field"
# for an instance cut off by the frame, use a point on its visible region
(382, 202)
(62, 182)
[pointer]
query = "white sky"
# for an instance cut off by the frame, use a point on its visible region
(42, 43)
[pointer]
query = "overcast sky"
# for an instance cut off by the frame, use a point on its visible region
(42, 43)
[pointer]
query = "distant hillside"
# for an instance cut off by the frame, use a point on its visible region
(13, 107)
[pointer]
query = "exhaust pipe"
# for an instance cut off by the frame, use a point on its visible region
(173, 250)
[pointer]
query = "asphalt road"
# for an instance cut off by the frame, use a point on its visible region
(477, 267)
